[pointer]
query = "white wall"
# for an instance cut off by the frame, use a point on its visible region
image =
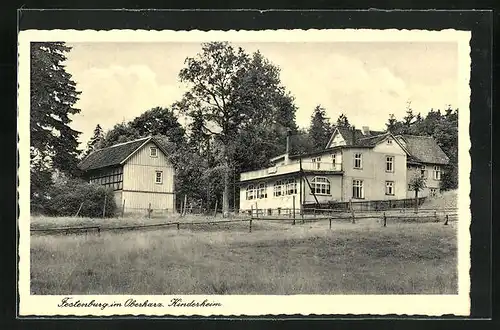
(139, 186)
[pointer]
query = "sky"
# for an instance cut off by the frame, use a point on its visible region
(367, 81)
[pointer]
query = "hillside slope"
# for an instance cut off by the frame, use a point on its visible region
(447, 199)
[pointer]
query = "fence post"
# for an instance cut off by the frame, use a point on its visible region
(77, 212)
(123, 208)
(446, 222)
(185, 202)
(330, 223)
(250, 228)
(251, 211)
(293, 204)
(149, 210)
(215, 211)
(256, 210)
(352, 213)
(178, 226)
(385, 220)
(104, 207)
(435, 216)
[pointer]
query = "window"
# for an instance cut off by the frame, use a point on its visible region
(320, 185)
(262, 190)
(437, 173)
(423, 171)
(159, 177)
(433, 192)
(278, 189)
(357, 189)
(389, 164)
(317, 161)
(291, 187)
(358, 161)
(250, 192)
(389, 188)
(153, 152)
(389, 141)
(410, 188)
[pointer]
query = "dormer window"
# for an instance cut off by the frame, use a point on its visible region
(389, 141)
(153, 152)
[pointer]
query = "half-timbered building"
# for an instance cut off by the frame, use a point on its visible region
(138, 171)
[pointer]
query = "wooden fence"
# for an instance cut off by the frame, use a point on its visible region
(372, 205)
(444, 216)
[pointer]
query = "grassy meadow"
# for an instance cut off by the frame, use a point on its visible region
(275, 258)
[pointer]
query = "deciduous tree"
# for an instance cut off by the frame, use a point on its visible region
(233, 92)
(417, 183)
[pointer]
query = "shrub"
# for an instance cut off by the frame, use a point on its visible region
(66, 198)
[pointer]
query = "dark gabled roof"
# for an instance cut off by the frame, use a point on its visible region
(424, 149)
(353, 135)
(113, 155)
(371, 141)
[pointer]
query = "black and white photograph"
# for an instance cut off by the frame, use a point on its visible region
(236, 172)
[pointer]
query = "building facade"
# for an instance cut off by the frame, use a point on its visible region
(138, 171)
(356, 165)
(426, 159)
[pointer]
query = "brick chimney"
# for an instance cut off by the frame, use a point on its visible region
(353, 135)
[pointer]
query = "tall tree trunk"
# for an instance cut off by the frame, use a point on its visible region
(225, 194)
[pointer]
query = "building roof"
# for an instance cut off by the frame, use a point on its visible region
(424, 149)
(113, 155)
(371, 141)
(353, 135)
(360, 141)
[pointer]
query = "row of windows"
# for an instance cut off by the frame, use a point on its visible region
(111, 178)
(319, 185)
(115, 181)
(107, 179)
(389, 164)
(317, 161)
(359, 192)
(280, 188)
(358, 162)
(436, 172)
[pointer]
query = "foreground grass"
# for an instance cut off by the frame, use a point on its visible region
(273, 259)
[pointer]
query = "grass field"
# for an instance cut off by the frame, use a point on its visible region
(275, 258)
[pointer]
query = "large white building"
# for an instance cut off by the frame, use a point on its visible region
(356, 165)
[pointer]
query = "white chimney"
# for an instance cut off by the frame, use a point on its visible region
(366, 130)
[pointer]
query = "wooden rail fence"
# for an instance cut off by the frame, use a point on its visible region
(383, 218)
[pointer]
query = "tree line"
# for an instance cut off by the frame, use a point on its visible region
(239, 117)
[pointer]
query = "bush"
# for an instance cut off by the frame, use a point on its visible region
(66, 198)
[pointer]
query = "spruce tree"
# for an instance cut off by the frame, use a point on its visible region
(52, 98)
(96, 140)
